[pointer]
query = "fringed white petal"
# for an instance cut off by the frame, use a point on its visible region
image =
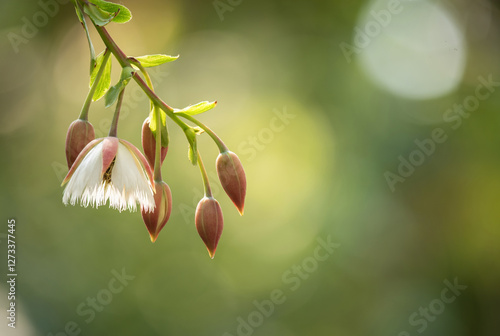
(86, 179)
(129, 183)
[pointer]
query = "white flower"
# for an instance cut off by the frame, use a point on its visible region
(114, 169)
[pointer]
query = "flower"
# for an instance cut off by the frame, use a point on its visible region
(156, 220)
(80, 133)
(149, 144)
(232, 178)
(209, 223)
(114, 169)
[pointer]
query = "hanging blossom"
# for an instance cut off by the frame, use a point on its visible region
(115, 170)
(110, 169)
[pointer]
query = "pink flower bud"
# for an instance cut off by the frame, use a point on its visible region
(80, 133)
(156, 220)
(149, 144)
(209, 223)
(232, 178)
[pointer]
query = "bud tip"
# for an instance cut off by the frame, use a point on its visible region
(211, 254)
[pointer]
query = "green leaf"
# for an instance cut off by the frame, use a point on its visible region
(79, 13)
(99, 16)
(98, 64)
(198, 130)
(164, 130)
(124, 14)
(112, 95)
(192, 110)
(149, 61)
(127, 73)
(193, 145)
(105, 80)
(114, 91)
(91, 46)
(193, 158)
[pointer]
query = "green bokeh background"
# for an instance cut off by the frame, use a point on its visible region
(318, 174)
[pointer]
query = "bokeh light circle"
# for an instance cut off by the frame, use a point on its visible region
(413, 49)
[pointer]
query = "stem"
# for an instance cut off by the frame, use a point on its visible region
(79, 8)
(111, 45)
(125, 62)
(158, 146)
(114, 123)
(217, 140)
(143, 71)
(84, 114)
(206, 184)
(145, 74)
(157, 101)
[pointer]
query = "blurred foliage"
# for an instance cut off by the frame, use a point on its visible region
(318, 172)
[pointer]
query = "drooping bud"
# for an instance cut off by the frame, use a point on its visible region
(80, 133)
(149, 144)
(156, 220)
(232, 178)
(209, 223)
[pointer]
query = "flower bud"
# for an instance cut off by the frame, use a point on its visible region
(149, 144)
(232, 178)
(80, 133)
(156, 219)
(209, 223)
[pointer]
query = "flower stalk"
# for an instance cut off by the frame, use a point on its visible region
(217, 140)
(204, 176)
(84, 114)
(114, 124)
(157, 168)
